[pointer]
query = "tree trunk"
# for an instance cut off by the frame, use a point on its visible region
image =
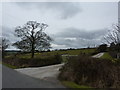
(33, 42)
(32, 54)
(33, 50)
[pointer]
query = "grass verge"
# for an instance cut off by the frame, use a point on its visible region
(69, 84)
(106, 56)
(10, 66)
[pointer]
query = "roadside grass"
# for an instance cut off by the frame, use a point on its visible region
(106, 56)
(10, 66)
(70, 84)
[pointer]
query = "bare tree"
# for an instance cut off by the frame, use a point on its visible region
(5, 44)
(113, 36)
(32, 37)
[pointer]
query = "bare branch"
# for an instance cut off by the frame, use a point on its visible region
(32, 37)
(113, 36)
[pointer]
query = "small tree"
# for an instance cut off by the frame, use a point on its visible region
(32, 37)
(5, 44)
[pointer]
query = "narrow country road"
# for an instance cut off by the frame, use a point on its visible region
(98, 55)
(14, 79)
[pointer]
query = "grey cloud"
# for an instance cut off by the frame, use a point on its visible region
(78, 43)
(81, 33)
(66, 9)
(70, 37)
(76, 38)
(6, 32)
(9, 34)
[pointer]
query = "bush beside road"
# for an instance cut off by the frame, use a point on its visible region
(92, 72)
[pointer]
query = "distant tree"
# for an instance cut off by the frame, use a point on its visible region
(102, 48)
(5, 44)
(32, 37)
(112, 46)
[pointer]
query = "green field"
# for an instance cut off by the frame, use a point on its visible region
(17, 60)
(47, 54)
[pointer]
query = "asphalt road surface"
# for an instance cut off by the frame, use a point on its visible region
(48, 73)
(14, 79)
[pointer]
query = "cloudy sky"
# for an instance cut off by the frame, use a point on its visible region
(71, 24)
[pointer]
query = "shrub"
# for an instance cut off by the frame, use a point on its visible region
(51, 60)
(83, 70)
(102, 48)
(35, 62)
(114, 50)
